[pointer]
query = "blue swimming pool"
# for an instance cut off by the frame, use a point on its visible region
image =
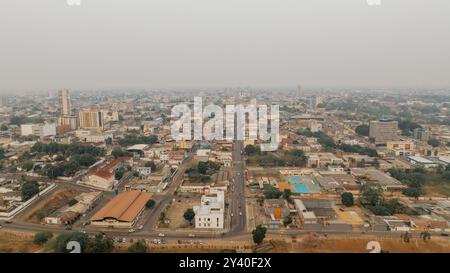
(302, 184)
(295, 180)
(301, 188)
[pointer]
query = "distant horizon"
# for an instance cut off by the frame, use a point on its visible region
(175, 44)
(223, 88)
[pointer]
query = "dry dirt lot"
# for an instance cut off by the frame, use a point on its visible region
(352, 215)
(17, 242)
(176, 210)
(57, 200)
(330, 245)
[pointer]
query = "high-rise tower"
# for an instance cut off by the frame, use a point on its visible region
(64, 102)
(66, 118)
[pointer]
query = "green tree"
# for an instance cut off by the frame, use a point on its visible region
(85, 160)
(150, 164)
(4, 127)
(362, 130)
(100, 244)
(61, 241)
(41, 238)
(150, 203)
(40, 215)
(413, 191)
(29, 189)
(27, 165)
(251, 150)
(119, 152)
(287, 220)
(259, 234)
(189, 215)
(433, 142)
(371, 194)
(287, 193)
(347, 199)
(270, 192)
(138, 247)
(202, 167)
(119, 173)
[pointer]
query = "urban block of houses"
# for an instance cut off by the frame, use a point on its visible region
(154, 182)
(322, 160)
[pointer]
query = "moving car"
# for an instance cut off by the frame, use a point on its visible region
(192, 235)
(131, 230)
(161, 235)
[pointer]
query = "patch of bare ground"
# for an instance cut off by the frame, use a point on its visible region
(17, 242)
(57, 200)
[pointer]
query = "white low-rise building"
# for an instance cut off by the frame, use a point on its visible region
(210, 214)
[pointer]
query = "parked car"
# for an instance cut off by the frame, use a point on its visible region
(192, 235)
(8, 222)
(141, 227)
(68, 228)
(131, 230)
(161, 235)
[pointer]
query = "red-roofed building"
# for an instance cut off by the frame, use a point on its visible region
(104, 177)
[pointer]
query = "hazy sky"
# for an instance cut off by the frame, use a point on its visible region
(46, 44)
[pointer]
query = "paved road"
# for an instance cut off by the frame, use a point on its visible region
(237, 191)
(162, 200)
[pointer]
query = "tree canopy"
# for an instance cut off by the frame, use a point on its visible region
(259, 234)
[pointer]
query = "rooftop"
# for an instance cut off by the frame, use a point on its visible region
(124, 207)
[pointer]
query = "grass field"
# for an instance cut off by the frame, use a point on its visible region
(17, 242)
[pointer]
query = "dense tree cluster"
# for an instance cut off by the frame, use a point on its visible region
(362, 130)
(67, 149)
(347, 199)
(372, 198)
(203, 171)
(42, 237)
(294, 158)
(407, 126)
(137, 139)
(138, 247)
(270, 192)
(259, 234)
(29, 189)
(119, 152)
(97, 244)
(358, 149)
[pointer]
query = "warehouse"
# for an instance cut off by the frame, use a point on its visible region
(122, 211)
